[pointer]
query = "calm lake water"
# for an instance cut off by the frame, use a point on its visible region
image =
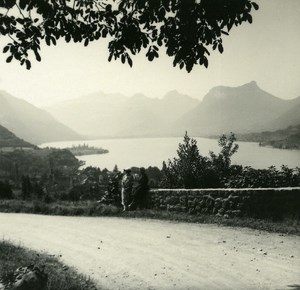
(153, 151)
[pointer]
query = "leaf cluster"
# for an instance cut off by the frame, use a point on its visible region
(185, 29)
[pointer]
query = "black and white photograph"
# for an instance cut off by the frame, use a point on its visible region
(149, 144)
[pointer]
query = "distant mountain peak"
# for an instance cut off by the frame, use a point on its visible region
(252, 83)
(245, 91)
(175, 95)
(172, 92)
(139, 96)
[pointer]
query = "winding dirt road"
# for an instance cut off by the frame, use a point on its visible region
(149, 254)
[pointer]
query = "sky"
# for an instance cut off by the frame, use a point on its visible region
(266, 51)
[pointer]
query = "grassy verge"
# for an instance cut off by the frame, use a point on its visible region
(60, 277)
(91, 208)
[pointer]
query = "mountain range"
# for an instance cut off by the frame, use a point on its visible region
(31, 123)
(242, 109)
(116, 115)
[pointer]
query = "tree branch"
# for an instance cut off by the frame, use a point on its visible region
(20, 11)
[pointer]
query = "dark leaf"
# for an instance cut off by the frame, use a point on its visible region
(205, 61)
(104, 32)
(5, 49)
(220, 48)
(189, 67)
(37, 55)
(159, 41)
(53, 40)
(249, 17)
(9, 59)
(47, 38)
(22, 4)
(150, 56)
(123, 58)
(256, 7)
(129, 61)
(28, 64)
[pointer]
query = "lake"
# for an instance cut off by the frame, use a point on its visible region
(144, 152)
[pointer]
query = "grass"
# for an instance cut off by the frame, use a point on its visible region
(92, 208)
(60, 277)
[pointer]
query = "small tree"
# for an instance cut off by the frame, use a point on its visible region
(26, 187)
(187, 169)
(116, 169)
(221, 163)
(192, 170)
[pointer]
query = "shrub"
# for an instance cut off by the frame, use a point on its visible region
(5, 190)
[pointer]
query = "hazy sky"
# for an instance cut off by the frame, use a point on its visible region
(267, 51)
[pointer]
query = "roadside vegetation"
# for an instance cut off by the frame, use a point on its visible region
(92, 208)
(60, 276)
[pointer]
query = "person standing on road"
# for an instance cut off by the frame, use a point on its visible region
(127, 184)
(140, 191)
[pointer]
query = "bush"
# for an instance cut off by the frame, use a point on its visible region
(5, 190)
(241, 177)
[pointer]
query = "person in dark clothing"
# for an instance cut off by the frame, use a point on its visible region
(127, 184)
(140, 191)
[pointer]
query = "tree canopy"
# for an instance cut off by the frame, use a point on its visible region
(187, 30)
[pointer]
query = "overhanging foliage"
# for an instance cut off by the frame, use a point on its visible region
(186, 29)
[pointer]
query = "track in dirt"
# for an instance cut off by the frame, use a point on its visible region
(149, 254)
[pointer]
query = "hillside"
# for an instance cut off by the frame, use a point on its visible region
(9, 139)
(288, 138)
(31, 123)
(241, 109)
(115, 115)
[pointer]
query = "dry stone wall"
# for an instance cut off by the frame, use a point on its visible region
(275, 203)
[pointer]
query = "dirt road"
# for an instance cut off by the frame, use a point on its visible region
(147, 254)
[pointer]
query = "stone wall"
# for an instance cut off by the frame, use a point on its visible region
(275, 203)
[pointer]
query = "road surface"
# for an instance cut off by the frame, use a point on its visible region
(150, 254)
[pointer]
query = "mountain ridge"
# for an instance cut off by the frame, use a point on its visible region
(137, 115)
(242, 109)
(9, 139)
(31, 123)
